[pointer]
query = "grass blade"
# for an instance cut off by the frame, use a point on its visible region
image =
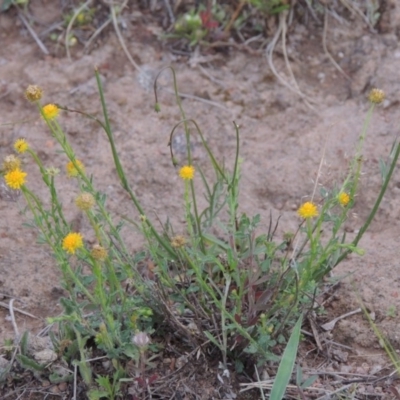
(287, 363)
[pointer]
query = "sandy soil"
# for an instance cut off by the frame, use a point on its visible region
(282, 141)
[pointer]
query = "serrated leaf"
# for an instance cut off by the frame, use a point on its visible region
(56, 378)
(212, 339)
(24, 343)
(28, 363)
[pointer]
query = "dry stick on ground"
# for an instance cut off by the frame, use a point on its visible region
(331, 324)
(169, 11)
(33, 33)
(283, 18)
(139, 69)
(119, 35)
(234, 16)
(356, 10)
(332, 60)
(269, 54)
(14, 323)
(5, 305)
(97, 33)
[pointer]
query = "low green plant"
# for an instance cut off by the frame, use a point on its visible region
(6, 4)
(270, 6)
(196, 24)
(219, 283)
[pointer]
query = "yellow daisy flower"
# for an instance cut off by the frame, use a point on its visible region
(72, 171)
(72, 242)
(187, 172)
(15, 178)
(21, 146)
(308, 210)
(50, 111)
(343, 199)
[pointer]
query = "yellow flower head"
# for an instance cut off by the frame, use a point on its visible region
(11, 162)
(15, 178)
(72, 242)
(308, 210)
(178, 241)
(33, 93)
(98, 252)
(376, 96)
(85, 201)
(21, 146)
(187, 172)
(72, 171)
(343, 199)
(50, 111)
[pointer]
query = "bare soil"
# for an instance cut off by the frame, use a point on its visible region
(282, 142)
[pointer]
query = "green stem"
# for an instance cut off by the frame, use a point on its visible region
(120, 170)
(375, 208)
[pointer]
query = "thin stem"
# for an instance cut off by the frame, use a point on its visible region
(375, 208)
(120, 170)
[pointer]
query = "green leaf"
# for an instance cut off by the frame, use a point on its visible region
(28, 363)
(287, 363)
(85, 371)
(6, 4)
(95, 394)
(308, 382)
(56, 378)
(212, 339)
(24, 343)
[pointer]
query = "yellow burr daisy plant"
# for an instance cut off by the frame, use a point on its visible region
(15, 179)
(21, 146)
(186, 172)
(72, 242)
(308, 210)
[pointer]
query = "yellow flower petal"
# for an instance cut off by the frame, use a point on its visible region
(15, 178)
(72, 242)
(308, 210)
(21, 146)
(50, 111)
(187, 172)
(343, 199)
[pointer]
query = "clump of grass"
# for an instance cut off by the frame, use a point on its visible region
(236, 291)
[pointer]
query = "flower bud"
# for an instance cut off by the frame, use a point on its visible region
(33, 93)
